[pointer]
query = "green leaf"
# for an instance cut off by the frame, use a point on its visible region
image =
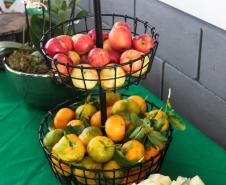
(121, 159)
(138, 133)
(36, 28)
(77, 130)
(168, 105)
(72, 143)
(86, 123)
(133, 119)
(64, 5)
(127, 148)
(10, 44)
(147, 144)
(158, 124)
(72, 1)
(135, 132)
(158, 136)
(81, 14)
(128, 132)
(177, 122)
(62, 14)
(156, 139)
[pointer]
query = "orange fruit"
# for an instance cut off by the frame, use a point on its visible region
(89, 133)
(112, 97)
(52, 137)
(96, 118)
(75, 122)
(85, 111)
(60, 167)
(101, 149)
(62, 117)
(111, 171)
(140, 101)
(133, 107)
(87, 177)
(133, 150)
(115, 128)
(159, 115)
(152, 152)
(70, 148)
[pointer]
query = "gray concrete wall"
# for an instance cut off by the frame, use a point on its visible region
(191, 59)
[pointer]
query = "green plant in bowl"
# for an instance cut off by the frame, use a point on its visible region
(27, 68)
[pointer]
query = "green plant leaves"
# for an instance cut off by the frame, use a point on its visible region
(156, 139)
(121, 159)
(133, 119)
(81, 14)
(138, 133)
(177, 122)
(77, 130)
(38, 26)
(10, 44)
(158, 124)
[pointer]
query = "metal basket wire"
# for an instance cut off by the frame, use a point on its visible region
(132, 174)
(83, 25)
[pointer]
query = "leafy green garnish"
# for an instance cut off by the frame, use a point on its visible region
(121, 159)
(77, 130)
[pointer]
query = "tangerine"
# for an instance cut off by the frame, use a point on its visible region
(62, 117)
(70, 148)
(96, 118)
(115, 128)
(158, 116)
(89, 133)
(101, 149)
(133, 150)
(140, 101)
(87, 176)
(75, 122)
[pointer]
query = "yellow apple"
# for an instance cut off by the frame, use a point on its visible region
(108, 76)
(90, 77)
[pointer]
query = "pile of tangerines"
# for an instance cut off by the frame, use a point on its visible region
(132, 134)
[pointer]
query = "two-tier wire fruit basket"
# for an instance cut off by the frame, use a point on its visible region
(98, 85)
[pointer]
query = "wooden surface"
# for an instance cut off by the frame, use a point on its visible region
(11, 23)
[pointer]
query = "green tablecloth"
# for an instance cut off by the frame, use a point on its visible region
(22, 161)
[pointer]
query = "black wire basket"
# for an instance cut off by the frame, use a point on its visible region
(65, 172)
(117, 77)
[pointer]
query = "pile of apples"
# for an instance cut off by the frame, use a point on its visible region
(119, 47)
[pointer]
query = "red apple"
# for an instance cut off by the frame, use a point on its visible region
(59, 44)
(89, 76)
(84, 59)
(131, 55)
(144, 68)
(53, 46)
(66, 41)
(64, 59)
(143, 43)
(107, 45)
(120, 38)
(75, 58)
(92, 34)
(83, 43)
(122, 24)
(98, 57)
(114, 56)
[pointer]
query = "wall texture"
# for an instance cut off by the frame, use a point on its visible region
(191, 59)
